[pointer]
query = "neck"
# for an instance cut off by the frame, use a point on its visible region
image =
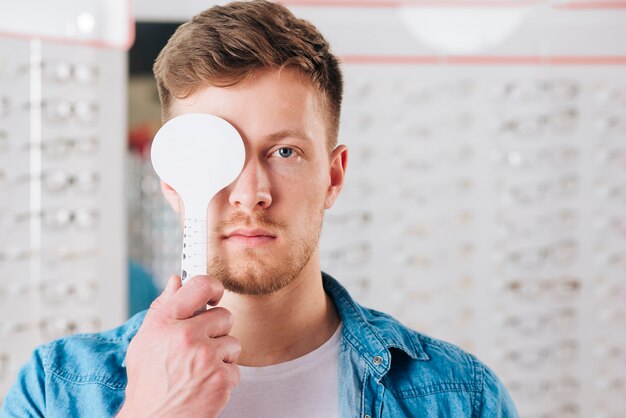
(284, 325)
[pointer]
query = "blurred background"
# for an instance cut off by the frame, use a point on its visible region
(485, 197)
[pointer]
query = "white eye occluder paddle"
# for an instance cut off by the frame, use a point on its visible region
(197, 154)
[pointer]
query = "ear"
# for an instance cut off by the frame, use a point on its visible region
(171, 196)
(338, 164)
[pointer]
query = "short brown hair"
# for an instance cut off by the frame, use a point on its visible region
(226, 44)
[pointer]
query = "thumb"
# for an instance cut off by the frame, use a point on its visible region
(173, 284)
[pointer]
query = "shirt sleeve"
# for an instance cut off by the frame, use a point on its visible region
(495, 399)
(26, 398)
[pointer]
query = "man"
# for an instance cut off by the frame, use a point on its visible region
(284, 340)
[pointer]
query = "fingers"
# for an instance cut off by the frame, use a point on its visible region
(229, 348)
(193, 296)
(215, 322)
(233, 374)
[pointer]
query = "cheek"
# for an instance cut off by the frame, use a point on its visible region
(303, 191)
(306, 206)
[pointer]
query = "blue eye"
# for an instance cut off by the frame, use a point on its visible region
(285, 152)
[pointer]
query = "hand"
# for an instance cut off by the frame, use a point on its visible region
(179, 364)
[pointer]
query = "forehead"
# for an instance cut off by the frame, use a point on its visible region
(268, 102)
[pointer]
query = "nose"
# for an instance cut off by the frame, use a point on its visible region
(251, 190)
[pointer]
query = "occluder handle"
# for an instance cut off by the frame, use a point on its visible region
(194, 248)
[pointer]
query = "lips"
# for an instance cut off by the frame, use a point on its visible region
(249, 238)
(250, 233)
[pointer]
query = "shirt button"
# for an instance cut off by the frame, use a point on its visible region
(367, 416)
(378, 360)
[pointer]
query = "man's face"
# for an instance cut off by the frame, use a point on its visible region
(264, 228)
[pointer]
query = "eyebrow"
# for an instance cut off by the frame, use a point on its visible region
(285, 133)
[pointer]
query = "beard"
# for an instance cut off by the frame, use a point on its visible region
(259, 271)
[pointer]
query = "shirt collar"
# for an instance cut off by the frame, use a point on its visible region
(373, 334)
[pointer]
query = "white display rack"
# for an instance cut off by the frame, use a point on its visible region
(485, 206)
(62, 212)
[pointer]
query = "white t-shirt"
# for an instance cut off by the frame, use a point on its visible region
(303, 387)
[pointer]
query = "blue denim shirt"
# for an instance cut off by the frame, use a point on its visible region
(386, 370)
